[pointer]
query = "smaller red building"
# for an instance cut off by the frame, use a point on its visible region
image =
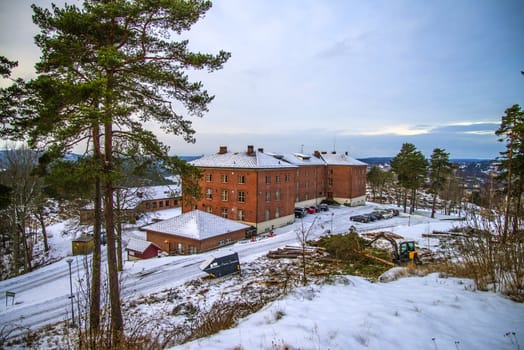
(195, 232)
(140, 249)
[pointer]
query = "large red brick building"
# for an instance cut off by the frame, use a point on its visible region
(261, 189)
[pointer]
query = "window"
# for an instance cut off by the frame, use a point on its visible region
(241, 196)
(241, 215)
(209, 193)
(241, 179)
(277, 179)
(224, 179)
(330, 182)
(267, 214)
(268, 196)
(180, 248)
(287, 178)
(192, 250)
(160, 204)
(148, 205)
(277, 195)
(209, 177)
(209, 209)
(268, 179)
(154, 205)
(224, 213)
(277, 212)
(168, 204)
(225, 195)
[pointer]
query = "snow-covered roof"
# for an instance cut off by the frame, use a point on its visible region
(302, 159)
(131, 197)
(269, 160)
(256, 160)
(138, 245)
(340, 159)
(196, 224)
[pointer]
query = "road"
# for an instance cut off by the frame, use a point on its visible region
(42, 296)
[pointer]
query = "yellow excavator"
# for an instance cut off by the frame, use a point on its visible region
(405, 252)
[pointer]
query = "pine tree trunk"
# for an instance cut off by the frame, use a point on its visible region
(413, 200)
(42, 224)
(94, 305)
(119, 253)
(433, 205)
(117, 324)
(15, 239)
(405, 200)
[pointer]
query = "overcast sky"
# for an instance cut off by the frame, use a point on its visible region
(356, 76)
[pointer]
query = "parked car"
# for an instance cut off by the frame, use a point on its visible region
(370, 216)
(323, 207)
(311, 209)
(359, 218)
(300, 212)
(378, 215)
(387, 213)
(395, 212)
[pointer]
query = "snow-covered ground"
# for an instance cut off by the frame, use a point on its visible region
(409, 313)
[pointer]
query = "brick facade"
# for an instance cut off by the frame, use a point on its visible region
(180, 245)
(262, 189)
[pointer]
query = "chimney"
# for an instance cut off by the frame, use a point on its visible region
(261, 150)
(316, 154)
(346, 153)
(222, 150)
(324, 152)
(250, 150)
(334, 152)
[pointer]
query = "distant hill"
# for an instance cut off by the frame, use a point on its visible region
(190, 158)
(386, 160)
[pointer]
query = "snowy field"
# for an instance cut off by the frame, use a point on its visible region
(409, 313)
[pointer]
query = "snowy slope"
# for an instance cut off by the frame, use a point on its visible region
(410, 313)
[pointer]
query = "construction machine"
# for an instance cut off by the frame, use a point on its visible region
(405, 252)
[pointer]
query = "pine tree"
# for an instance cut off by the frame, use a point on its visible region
(439, 170)
(511, 164)
(410, 165)
(106, 69)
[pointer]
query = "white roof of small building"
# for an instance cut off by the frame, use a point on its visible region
(197, 225)
(340, 159)
(130, 197)
(256, 160)
(138, 245)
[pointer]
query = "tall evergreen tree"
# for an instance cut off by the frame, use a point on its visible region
(439, 171)
(511, 165)
(377, 180)
(410, 165)
(106, 69)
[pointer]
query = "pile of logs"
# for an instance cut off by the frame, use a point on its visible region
(293, 252)
(372, 235)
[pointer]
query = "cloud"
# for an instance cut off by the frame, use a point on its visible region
(478, 128)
